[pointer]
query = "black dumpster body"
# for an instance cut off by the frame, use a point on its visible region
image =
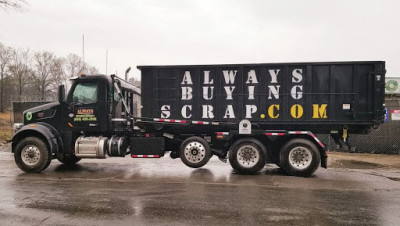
(323, 97)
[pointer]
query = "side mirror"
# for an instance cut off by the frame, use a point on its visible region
(61, 94)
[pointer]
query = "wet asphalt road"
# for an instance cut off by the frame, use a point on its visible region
(166, 192)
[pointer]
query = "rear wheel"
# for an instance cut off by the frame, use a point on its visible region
(195, 152)
(247, 156)
(32, 155)
(299, 157)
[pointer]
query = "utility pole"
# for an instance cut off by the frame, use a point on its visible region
(83, 48)
(107, 62)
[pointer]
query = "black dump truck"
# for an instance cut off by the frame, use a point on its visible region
(250, 114)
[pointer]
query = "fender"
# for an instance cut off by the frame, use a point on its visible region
(42, 130)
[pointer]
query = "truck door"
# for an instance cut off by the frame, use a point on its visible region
(87, 109)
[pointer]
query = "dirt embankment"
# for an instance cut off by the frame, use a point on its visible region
(5, 127)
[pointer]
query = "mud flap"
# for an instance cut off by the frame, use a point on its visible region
(324, 160)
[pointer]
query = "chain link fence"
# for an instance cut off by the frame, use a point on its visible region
(21, 103)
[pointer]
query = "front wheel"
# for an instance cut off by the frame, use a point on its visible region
(299, 157)
(32, 155)
(247, 156)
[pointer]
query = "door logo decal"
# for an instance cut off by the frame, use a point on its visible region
(85, 115)
(85, 111)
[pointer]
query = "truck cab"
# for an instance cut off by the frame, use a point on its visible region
(92, 108)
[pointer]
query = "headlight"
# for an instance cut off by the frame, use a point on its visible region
(17, 126)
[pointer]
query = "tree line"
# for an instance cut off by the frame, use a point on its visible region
(25, 74)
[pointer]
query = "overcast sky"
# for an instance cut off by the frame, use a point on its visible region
(208, 32)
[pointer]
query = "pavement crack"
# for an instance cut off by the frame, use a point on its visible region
(41, 222)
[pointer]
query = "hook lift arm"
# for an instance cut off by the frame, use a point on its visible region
(116, 86)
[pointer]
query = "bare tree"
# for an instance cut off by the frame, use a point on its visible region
(91, 70)
(12, 4)
(5, 60)
(59, 73)
(20, 70)
(74, 65)
(25, 76)
(59, 76)
(47, 72)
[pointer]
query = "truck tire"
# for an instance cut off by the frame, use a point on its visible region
(195, 152)
(247, 156)
(32, 155)
(299, 157)
(69, 160)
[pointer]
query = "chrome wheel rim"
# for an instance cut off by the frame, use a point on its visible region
(248, 156)
(30, 155)
(194, 152)
(300, 157)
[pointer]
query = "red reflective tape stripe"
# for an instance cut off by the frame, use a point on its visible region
(298, 132)
(145, 156)
(183, 121)
(161, 120)
(201, 123)
(220, 133)
(172, 120)
(275, 134)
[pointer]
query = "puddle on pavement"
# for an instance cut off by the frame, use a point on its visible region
(353, 164)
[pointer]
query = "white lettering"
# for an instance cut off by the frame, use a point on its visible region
(206, 93)
(274, 75)
(207, 78)
(229, 91)
(229, 76)
(252, 78)
(296, 92)
(165, 111)
(187, 93)
(187, 79)
(184, 111)
(274, 90)
(250, 109)
(229, 113)
(297, 75)
(208, 111)
(251, 92)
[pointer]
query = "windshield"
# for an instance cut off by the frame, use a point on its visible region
(85, 93)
